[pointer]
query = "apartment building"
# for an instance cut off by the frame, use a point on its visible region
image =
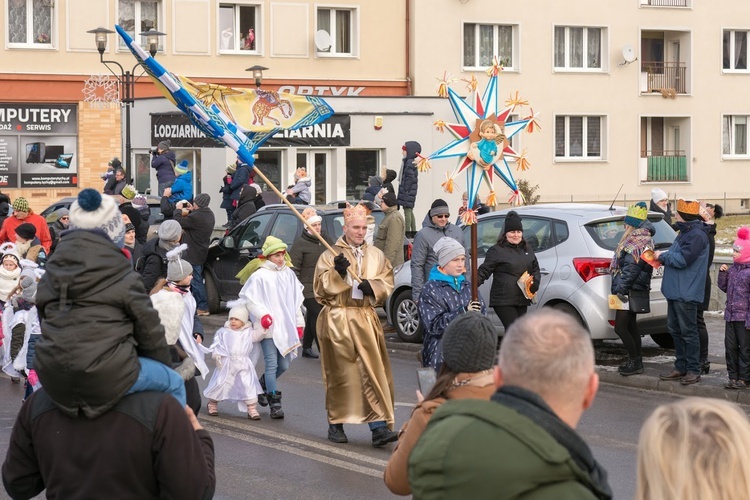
(632, 93)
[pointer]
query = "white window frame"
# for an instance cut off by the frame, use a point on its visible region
(603, 45)
(732, 139)
(732, 32)
(52, 44)
(584, 137)
(258, 26)
(121, 47)
(354, 36)
(515, 40)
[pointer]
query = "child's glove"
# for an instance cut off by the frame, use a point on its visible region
(33, 378)
(474, 306)
(300, 331)
(266, 321)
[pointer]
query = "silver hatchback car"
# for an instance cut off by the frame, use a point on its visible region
(574, 244)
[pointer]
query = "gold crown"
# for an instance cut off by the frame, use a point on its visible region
(357, 212)
(637, 212)
(691, 207)
(309, 212)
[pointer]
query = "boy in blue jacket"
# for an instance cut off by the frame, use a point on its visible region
(182, 189)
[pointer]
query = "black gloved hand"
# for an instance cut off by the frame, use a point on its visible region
(474, 306)
(623, 297)
(366, 289)
(340, 263)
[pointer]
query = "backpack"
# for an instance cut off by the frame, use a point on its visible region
(140, 264)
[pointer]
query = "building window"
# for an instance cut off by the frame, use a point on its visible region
(734, 135)
(360, 165)
(30, 23)
(482, 42)
(340, 24)
(137, 16)
(578, 48)
(238, 27)
(578, 137)
(735, 50)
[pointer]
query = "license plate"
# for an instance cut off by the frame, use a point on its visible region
(659, 272)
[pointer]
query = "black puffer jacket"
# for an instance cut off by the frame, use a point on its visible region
(407, 187)
(632, 274)
(390, 176)
(245, 206)
(96, 320)
(154, 264)
(197, 228)
(506, 263)
(711, 232)
(304, 254)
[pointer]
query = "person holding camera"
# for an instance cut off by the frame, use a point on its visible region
(197, 221)
(163, 162)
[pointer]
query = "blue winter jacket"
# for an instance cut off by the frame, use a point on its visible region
(443, 299)
(182, 189)
(686, 263)
(408, 180)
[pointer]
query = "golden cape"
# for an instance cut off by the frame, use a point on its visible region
(356, 367)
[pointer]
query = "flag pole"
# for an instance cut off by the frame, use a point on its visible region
(299, 216)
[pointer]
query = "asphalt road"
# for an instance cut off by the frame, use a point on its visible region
(292, 458)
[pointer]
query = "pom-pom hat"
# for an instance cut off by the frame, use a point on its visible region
(741, 246)
(99, 212)
(177, 268)
(182, 168)
(636, 214)
(238, 310)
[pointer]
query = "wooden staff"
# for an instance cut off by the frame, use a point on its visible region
(474, 275)
(304, 221)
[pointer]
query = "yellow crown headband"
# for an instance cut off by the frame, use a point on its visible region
(637, 212)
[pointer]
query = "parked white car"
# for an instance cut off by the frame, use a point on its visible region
(574, 244)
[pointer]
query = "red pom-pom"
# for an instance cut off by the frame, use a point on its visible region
(266, 321)
(743, 233)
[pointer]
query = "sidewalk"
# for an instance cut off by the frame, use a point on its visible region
(610, 353)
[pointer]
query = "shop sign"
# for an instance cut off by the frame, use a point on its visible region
(180, 131)
(38, 145)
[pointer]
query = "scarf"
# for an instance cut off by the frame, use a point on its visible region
(635, 244)
(181, 289)
(23, 248)
(168, 245)
(535, 409)
(8, 282)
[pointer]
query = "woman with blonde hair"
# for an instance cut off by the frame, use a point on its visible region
(694, 449)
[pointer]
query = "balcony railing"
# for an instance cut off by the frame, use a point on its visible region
(666, 3)
(665, 76)
(665, 165)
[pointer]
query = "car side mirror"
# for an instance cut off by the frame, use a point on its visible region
(246, 244)
(228, 242)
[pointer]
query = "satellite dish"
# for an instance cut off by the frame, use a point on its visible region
(322, 40)
(628, 54)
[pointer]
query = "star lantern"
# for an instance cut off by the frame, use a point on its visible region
(469, 114)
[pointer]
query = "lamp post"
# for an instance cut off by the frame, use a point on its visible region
(257, 74)
(126, 78)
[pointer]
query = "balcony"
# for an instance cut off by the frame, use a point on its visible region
(665, 166)
(665, 76)
(665, 3)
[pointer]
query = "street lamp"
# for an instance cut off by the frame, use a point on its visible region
(126, 78)
(257, 74)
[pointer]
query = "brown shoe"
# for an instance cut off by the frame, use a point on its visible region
(673, 375)
(201, 312)
(690, 378)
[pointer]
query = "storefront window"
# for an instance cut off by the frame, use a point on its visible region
(360, 165)
(269, 162)
(142, 172)
(193, 156)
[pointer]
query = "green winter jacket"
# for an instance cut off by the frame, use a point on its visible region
(482, 449)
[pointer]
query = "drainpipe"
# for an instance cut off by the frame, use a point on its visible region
(408, 49)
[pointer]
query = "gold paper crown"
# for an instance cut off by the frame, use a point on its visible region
(308, 212)
(638, 212)
(691, 207)
(355, 213)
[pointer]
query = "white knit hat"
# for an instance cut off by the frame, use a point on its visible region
(658, 194)
(95, 211)
(238, 310)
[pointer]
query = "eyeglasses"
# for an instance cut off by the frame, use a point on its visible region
(64, 218)
(443, 216)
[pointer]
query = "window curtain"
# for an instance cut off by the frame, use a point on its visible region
(559, 136)
(470, 41)
(576, 47)
(17, 21)
(740, 135)
(593, 136)
(486, 45)
(594, 52)
(343, 32)
(575, 136)
(42, 17)
(740, 50)
(505, 45)
(559, 47)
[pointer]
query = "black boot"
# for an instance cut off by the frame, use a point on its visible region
(336, 433)
(632, 367)
(381, 436)
(263, 397)
(309, 353)
(274, 400)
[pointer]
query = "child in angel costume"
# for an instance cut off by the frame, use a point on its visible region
(269, 281)
(10, 272)
(234, 378)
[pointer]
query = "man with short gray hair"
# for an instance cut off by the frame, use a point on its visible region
(521, 443)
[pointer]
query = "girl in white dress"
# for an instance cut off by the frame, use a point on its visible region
(234, 378)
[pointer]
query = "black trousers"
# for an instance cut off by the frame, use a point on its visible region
(311, 318)
(508, 314)
(737, 350)
(626, 328)
(702, 335)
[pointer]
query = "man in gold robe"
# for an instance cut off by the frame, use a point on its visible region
(356, 368)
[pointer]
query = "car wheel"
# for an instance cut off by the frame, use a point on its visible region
(568, 309)
(663, 340)
(405, 318)
(212, 293)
